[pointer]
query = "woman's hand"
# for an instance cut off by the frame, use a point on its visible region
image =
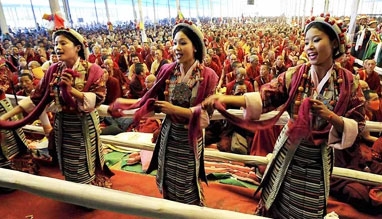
(66, 79)
(47, 129)
(319, 109)
(114, 111)
(209, 102)
(68, 76)
(165, 107)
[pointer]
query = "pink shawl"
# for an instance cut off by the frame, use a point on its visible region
(317, 135)
(146, 104)
(46, 98)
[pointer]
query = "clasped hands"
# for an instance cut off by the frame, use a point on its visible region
(67, 77)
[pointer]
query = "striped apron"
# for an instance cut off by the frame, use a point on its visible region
(177, 168)
(297, 186)
(78, 147)
(13, 142)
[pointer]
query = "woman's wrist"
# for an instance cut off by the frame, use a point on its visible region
(80, 96)
(336, 121)
(330, 117)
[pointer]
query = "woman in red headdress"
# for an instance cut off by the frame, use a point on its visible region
(326, 109)
(72, 88)
(180, 87)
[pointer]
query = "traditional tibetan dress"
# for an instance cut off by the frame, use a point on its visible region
(13, 151)
(76, 125)
(296, 181)
(179, 159)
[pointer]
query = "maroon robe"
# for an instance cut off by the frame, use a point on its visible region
(230, 85)
(372, 80)
(113, 90)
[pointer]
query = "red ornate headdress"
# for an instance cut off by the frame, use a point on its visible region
(59, 26)
(335, 25)
(194, 29)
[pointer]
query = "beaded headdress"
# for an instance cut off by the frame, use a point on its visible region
(372, 21)
(60, 27)
(194, 29)
(335, 25)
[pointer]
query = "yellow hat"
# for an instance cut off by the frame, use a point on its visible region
(38, 73)
(372, 21)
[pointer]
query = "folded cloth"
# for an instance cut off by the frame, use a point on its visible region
(331, 215)
(133, 158)
(376, 196)
(377, 149)
(145, 159)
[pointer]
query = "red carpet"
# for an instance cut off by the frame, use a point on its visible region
(21, 204)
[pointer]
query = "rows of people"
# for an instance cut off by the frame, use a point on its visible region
(253, 65)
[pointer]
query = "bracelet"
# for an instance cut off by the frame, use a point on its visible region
(330, 117)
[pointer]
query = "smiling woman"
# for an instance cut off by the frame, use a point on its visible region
(73, 88)
(326, 109)
(179, 89)
(20, 13)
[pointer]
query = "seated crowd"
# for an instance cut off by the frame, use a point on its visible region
(244, 57)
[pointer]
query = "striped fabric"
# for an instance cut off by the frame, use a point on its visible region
(77, 150)
(178, 168)
(13, 142)
(302, 193)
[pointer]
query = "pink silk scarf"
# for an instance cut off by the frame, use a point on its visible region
(318, 136)
(46, 98)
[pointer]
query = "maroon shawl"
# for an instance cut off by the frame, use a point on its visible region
(146, 104)
(45, 86)
(318, 135)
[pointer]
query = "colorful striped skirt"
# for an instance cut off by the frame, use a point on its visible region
(302, 192)
(177, 164)
(13, 142)
(79, 149)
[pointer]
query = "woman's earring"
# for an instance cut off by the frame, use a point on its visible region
(195, 50)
